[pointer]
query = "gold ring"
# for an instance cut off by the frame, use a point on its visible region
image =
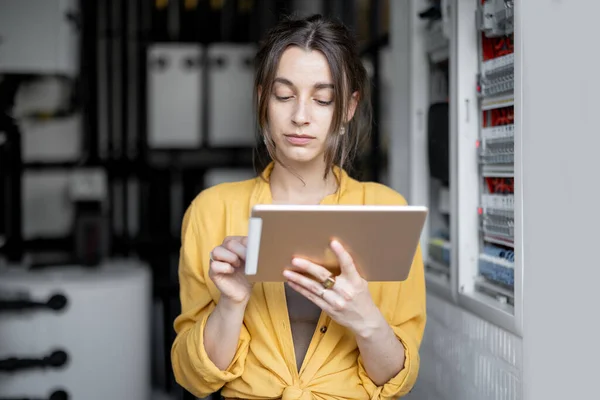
(328, 283)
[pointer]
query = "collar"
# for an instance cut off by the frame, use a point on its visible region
(262, 189)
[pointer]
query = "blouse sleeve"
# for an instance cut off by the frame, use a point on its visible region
(407, 320)
(192, 367)
(404, 307)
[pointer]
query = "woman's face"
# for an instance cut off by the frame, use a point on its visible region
(301, 106)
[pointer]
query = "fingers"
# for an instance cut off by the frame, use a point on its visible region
(320, 273)
(326, 299)
(309, 284)
(236, 246)
(242, 239)
(346, 263)
(223, 254)
(219, 267)
(230, 255)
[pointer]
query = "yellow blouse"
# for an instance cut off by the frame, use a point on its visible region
(264, 365)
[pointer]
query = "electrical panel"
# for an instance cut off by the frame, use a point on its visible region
(489, 277)
(175, 89)
(469, 130)
(496, 148)
(39, 37)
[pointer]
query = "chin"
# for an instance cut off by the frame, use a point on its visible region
(300, 155)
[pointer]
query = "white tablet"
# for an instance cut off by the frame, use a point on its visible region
(382, 240)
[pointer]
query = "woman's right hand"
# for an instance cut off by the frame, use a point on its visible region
(227, 269)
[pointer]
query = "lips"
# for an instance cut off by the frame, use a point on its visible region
(300, 136)
(299, 140)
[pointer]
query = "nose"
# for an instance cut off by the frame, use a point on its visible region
(300, 116)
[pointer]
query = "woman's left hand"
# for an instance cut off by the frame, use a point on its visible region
(347, 300)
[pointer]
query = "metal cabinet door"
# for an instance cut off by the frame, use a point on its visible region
(175, 96)
(231, 119)
(39, 37)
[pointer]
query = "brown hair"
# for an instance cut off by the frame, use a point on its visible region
(340, 49)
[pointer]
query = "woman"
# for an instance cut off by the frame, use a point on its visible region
(322, 338)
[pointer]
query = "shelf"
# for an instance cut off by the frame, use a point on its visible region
(438, 267)
(503, 295)
(439, 252)
(497, 313)
(498, 170)
(437, 278)
(438, 284)
(498, 101)
(499, 240)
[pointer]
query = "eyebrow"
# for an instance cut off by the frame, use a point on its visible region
(318, 85)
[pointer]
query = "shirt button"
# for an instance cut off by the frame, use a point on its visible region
(323, 329)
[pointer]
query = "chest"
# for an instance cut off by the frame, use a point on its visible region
(300, 309)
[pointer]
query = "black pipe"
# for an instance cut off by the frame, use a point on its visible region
(88, 89)
(109, 33)
(11, 208)
(376, 85)
(56, 359)
(124, 98)
(56, 302)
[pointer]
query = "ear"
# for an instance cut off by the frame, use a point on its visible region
(352, 106)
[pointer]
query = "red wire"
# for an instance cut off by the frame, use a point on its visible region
(496, 47)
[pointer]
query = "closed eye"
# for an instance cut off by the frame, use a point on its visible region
(324, 103)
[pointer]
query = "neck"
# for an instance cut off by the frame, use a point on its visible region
(301, 185)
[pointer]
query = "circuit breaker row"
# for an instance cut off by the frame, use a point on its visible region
(495, 147)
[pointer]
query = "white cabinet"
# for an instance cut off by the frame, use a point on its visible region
(39, 37)
(111, 360)
(180, 75)
(231, 120)
(175, 91)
